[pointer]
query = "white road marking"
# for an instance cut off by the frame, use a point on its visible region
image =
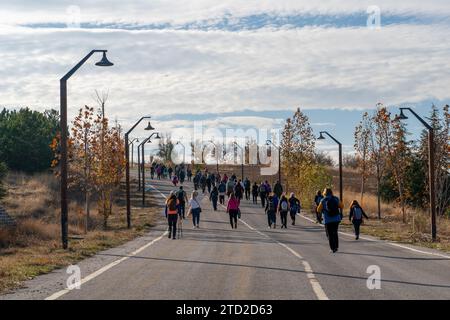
(109, 266)
(384, 242)
(317, 288)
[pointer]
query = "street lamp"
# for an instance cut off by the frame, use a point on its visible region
(268, 143)
(127, 166)
(184, 151)
(243, 159)
(132, 150)
(321, 137)
(143, 162)
(216, 153)
(431, 168)
(64, 134)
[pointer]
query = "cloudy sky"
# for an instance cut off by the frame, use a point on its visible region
(230, 64)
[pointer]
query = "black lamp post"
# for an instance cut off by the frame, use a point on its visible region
(321, 137)
(216, 154)
(143, 162)
(132, 150)
(64, 134)
(268, 143)
(127, 166)
(184, 151)
(243, 159)
(431, 168)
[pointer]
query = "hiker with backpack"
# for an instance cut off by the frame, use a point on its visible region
(255, 191)
(233, 210)
(331, 209)
(238, 190)
(214, 197)
(247, 187)
(175, 180)
(283, 209)
(189, 174)
(182, 200)
(271, 210)
(356, 217)
(203, 182)
(263, 194)
(278, 189)
(172, 214)
(295, 207)
(317, 200)
(222, 191)
(230, 187)
(208, 182)
(195, 209)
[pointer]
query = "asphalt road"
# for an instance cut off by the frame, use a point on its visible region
(251, 262)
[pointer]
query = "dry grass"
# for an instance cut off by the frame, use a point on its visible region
(33, 247)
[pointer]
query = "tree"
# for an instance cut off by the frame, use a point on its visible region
(362, 142)
(3, 172)
(350, 161)
(25, 136)
(165, 148)
(377, 147)
(441, 130)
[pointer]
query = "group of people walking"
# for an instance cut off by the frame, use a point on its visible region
(276, 203)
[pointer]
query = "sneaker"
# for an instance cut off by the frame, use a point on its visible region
(335, 250)
(235, 226)
(357, 238)
(170, 236)
(174, 238)
(194, 227)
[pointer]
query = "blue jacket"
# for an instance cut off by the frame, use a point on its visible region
(326, 218)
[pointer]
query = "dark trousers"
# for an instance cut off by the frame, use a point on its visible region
(332, 232)
(357, 225)
(255, 198)
(283, 215)
(195, 217)
(233, 217)
(172, 219)
(214, 202)
(222, 199)
(247, 194)
(271, 218)
(293, 214)
(263, 199)
(181, 209)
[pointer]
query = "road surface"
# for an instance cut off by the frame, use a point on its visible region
(251, 262)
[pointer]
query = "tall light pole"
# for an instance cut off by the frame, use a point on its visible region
(431, 168)
(143, 162)
(268, 143)
(321, 137)
(217, 154)
(127, 166)
(184, 151)
(243, 159)
(139, 166)
(64, 134)
(132, 150)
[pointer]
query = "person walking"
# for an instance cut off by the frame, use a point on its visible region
(222, 191)
(263, 194)
(170, 171)
(152, 171)
(189, 174)
(247, 187)
(214, 197)
(331, 209)
(230, 187)
(295, 207)
(283, 209)
(182, 175)
(278, 189)
(255, 191)
(271, 211)
(238, 190)
(356, 215)
(195, 209)
(182, 200)
(233, 210)
(209, 182)
(203, 182)
(318, 197)
(172, 215)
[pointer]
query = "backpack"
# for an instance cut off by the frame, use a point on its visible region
(357, 213)
(332, 206)
(172, 205)
(284, 205)
(181, 196)
(271, 205)
(262, 188)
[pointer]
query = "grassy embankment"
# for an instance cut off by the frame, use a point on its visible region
(33, 247)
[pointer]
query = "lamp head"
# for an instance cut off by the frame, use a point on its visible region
(149, 127)
(321, 137)
(157, 136)
(268, 142)
(104, 62)
(402, 116)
